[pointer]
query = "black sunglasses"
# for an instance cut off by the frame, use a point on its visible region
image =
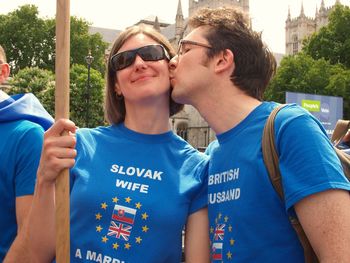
(125, 59)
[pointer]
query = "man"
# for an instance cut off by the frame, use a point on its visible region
(22, 124)
(222, 69)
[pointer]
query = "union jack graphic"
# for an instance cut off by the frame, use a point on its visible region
(119, 230)
(219, 232)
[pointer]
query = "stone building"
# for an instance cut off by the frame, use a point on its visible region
(299, 28)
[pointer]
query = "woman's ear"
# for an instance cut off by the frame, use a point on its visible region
(225, 61)
(117, 90)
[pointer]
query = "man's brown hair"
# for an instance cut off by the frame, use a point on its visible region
(229, 28)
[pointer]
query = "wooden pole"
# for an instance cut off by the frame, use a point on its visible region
(62, 111)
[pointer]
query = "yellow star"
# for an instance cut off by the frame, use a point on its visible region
(104, 239)
(211, 230)
(128, 199)
(145, 229)
(232, 242)
(229, 228)
(138, 205)
(226, 219)
(104, 205)
(115, 199)
(98, 216)
(127, 246)
(219, 215)
(138, 240)
(115, 246)
(98, 229)
(229, 255)
(144, 216)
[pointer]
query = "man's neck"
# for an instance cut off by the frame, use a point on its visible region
(3, 96)
(227, 111)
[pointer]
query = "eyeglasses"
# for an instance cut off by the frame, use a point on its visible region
(184, 42)
(125, 59)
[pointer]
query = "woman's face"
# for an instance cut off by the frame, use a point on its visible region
(143, 81)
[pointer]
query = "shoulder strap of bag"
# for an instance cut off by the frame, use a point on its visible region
(270, 157)
(269, 152)
(340, 130)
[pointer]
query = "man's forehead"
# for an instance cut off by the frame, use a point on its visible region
(197, 34)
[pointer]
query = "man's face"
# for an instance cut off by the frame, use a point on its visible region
(190, 69)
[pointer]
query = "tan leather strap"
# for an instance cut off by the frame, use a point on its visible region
(269, 152)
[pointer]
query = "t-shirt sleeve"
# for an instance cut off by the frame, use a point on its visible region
(307, 161)
(200, 199)
(27, 159)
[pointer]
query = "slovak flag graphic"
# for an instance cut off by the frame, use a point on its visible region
(124, 214)
(217, 251)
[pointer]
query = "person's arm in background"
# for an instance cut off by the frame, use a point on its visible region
(18, 251)
(197, 245)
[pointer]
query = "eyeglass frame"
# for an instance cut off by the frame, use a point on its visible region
(135, 51)
(190, 42)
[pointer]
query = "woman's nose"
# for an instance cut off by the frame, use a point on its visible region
(139, 62)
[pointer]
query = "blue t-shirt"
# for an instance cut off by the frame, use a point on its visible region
(20, 149)
(131, 195)
(248, 221)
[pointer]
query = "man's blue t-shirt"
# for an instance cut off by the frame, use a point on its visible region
(248, 221)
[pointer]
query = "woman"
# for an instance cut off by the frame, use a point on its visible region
(134, 184)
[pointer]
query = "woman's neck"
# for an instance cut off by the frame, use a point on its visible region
(147, 120)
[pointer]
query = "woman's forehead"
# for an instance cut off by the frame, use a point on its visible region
(136, 41)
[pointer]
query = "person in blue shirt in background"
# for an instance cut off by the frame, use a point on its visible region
(22, 123)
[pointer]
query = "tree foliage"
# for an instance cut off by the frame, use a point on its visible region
(41, 83)
(333, 41)
(29, 41)
(86, 101)
(301, 73)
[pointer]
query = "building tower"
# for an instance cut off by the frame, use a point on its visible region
(179, 24)
(301, 27)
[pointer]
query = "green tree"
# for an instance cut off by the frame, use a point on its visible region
(40, 82)
(332, 42)
(29, 41)
(79, 92)
(301, 73)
